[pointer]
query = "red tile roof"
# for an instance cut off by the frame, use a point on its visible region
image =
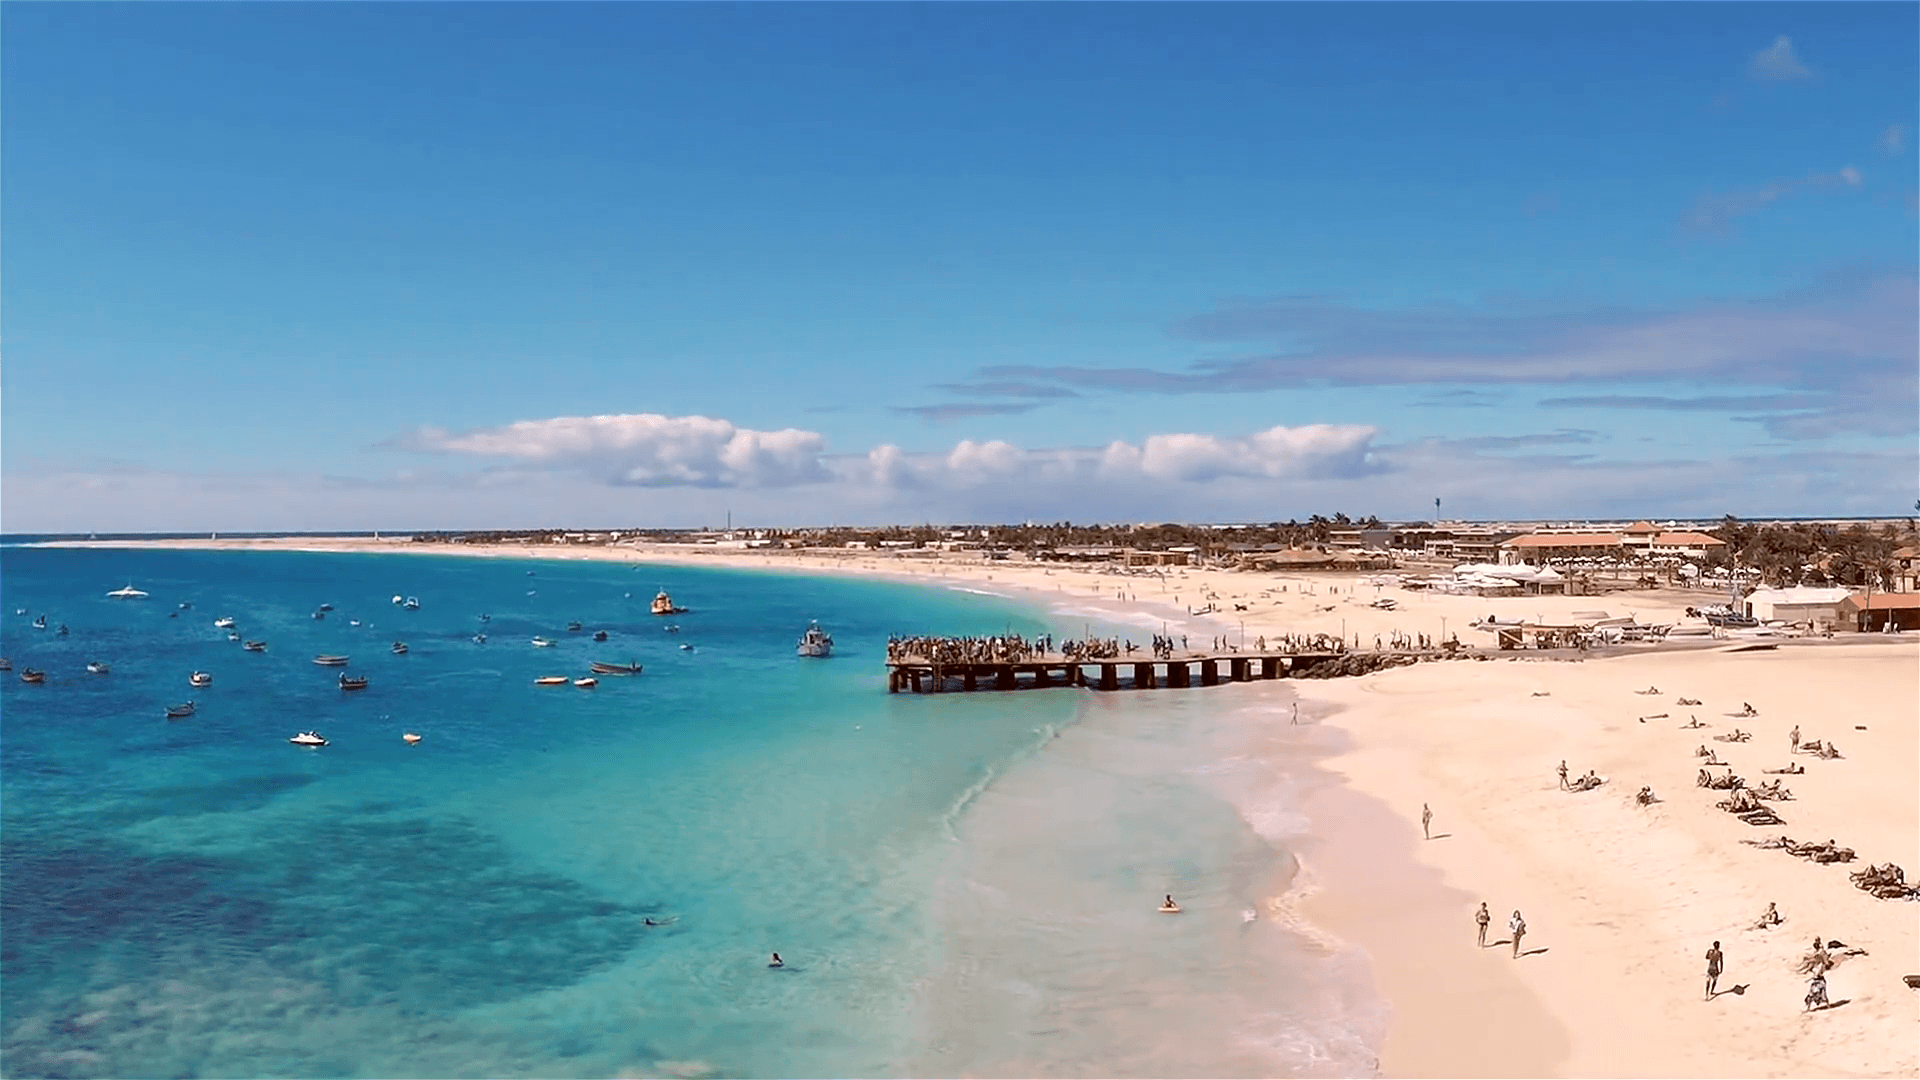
(1886, 601)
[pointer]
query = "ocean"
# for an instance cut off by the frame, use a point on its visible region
(566, 882)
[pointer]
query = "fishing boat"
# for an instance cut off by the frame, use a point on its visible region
(352, 682)
(225, 622)
(309, 738)
(586, 684)
(180, 712)
(200, 678)
(40, 623)
(575, 627)
(32, 676)
(411, 738)
(233, 635)
(599, 635)
(412, 604)
(254, 646)
(816, 642)
(98, 668)
(128, 593)
(6, 663)
(663, 605)
(550, 680)
(600, 668)
(542, 643)
(399, 648)
(330, 661)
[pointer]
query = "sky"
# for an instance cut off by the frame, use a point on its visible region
(344, 266)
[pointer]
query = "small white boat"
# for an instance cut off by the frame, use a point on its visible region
(308, 738)
(816, 642)
(233, 635)
(97, 668)
(180, 712)
(542, 643)
(399, 648)
(330, 661)
(412, 604)
(551, 680)
(685, 647)
(1169, 908)
(128, 593)
(40, 623)
(586, 684)
(411, 738)
(479, 639)
(254, 646)
(398, 599)
(353, 622)
(224, 623)
(200, 678)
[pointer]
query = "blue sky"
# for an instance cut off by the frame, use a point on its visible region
(356, 266)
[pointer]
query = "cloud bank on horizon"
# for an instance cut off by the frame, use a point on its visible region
(1137, 265)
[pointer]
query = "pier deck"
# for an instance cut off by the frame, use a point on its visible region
(1145, 672)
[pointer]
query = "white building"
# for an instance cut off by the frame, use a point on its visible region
(1800, 604)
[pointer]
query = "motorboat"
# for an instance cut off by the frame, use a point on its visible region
(31, 676)
(575, 627)
(6, 663)
(352, 682)
(309, 738)
(412, 604)
(398, 599)
(326, 607)
(600, 668)
(330, 661)
(587, 683)
(663, 605)
(411, 738)
(233, 635)
(542, 643)
(551, 680)
(319, 614)
(684, 647)
(128, 593)
(254, 646)
(399, 648)
(599, 635)
(40, 623)
(816, 642)
(98, 668)
(180, 712)
(200, 678)
(479, 639)
(353, 622)
(186, 605)
(224, 623)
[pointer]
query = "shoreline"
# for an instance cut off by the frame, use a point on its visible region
(1615, 894)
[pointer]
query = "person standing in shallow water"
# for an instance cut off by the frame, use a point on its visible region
(1517, 927)
(1481, 918)
(1715, 961)
(1426, 821)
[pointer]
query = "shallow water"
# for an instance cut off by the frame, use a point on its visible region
(954, 889)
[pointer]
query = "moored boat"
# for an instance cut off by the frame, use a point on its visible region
(40, 623)
(663, 605)
(330, 661)
(399, 648)
(542, 643)
(319, 614)
(254, 646)
(587, 683)
(180, 712)
(550, 680)
(128, 593)
(225, 622)
(6, 663)
(816, 642)
(352, 682)
(412, 604)
(600, 668)
(31, 676)
(98, 668)
(200, 678)
(309, 738)
(575, 626)
(599, 635)
(411, 738)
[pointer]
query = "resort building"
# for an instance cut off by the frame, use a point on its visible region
(1876, 612)
(1906, 575)
(1816, 606)
(1639, 542)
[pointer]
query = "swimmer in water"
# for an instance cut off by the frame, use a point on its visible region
(777, 962)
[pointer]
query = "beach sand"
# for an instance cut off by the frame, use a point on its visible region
(1621, 901)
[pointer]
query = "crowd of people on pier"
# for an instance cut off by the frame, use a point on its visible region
(998, 649)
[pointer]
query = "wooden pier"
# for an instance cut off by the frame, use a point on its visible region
(922, 676)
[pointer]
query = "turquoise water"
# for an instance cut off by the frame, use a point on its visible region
(200, 898)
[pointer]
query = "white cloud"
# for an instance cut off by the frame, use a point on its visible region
(1894, 139)
(1778, 62)
(645, 449)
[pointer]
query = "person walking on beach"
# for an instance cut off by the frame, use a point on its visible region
(1562, 770)
(1714, 964)
(1426, 821)
(1517, 927)
(1481, 918)
(1794, 735)
(1296, 712)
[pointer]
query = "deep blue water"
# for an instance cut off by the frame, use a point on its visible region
(201, 898)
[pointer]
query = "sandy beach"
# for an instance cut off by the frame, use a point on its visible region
(1621, 900)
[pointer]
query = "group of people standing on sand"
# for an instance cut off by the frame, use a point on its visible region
(1516, 927)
